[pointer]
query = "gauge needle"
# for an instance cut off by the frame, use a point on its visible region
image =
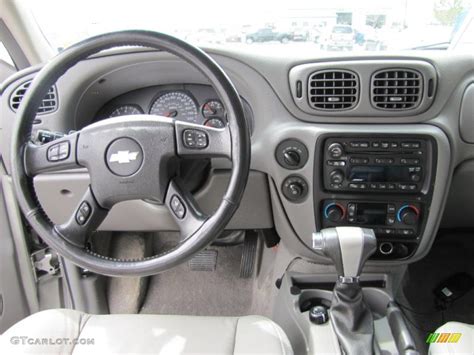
(172, 113)
(208, 107)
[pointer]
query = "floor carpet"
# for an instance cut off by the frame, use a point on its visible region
(452, 253)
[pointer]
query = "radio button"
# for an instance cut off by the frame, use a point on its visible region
(337, 177)
(335, 150)
(336, 162)
(409, 161)
(375, 144)
(394, 145)
(384, 145)
(373, 186)
(359, 161)
(391, 186)
(384, 161)
(411, 145)
(382, 186)
(403, 187)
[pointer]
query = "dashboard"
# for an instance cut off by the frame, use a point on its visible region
(380, 141)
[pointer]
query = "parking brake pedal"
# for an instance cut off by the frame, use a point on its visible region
(205, 260)
(248, 255)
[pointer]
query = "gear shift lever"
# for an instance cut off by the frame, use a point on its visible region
(349, 248)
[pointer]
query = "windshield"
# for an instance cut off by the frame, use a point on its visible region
(337, 25)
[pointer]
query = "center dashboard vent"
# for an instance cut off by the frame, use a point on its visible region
(396, 89)
(49, 103)
(333, 90)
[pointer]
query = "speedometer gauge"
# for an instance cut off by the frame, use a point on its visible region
(176, 104)
(125, 110)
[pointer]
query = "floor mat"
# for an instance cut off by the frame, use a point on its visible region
(212, 293)
(451, 254)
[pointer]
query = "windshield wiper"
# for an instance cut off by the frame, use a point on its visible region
(433, 46)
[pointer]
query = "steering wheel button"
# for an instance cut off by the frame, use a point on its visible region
(195, 139)
(85, 209)
(53, 153)
(177, 207)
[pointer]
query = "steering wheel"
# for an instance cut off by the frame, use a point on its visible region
(129, 158)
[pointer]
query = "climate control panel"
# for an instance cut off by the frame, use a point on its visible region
(392, 218)
(397, 224)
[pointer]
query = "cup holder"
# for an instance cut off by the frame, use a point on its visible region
(376, 299)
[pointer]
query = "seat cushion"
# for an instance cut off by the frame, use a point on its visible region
(72, 332)
(463, 345)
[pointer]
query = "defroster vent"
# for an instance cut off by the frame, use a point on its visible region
(333, 90)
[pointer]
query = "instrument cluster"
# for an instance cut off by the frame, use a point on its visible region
(191, 103)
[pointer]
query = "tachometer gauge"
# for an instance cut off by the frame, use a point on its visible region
(213, 108)
(176, 104)
(125, 110)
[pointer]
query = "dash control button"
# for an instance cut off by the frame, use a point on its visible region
(195, 139)
(177, 207)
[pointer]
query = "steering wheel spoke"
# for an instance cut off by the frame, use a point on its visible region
(198, 141)
(87, 216)
(184, 209)
(53, 156)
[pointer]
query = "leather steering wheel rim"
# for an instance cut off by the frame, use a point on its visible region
(210, 227)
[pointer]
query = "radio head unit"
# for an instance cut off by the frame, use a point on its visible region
(374, 164)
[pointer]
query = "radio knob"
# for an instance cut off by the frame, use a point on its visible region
(334, 212)
(292, 158)
(335, 150)
(337, 177)
(408, 215)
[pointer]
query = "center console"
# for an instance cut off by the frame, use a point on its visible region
(382, 182)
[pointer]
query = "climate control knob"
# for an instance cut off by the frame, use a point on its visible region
(334, 212)
(408, 214)
(336, 177)
(335, 150)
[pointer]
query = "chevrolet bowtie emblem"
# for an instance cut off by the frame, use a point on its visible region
(123, 157)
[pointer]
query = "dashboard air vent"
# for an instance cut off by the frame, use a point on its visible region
(396, 89)
(49, 103)
(333, 90)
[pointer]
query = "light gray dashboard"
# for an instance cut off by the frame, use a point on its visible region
(266, 82)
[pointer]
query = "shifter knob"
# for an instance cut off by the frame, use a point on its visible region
(348, 247)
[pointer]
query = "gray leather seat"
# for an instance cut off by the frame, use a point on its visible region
(463, 345)
(158, 334)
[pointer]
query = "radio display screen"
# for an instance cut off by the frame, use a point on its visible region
(372, 173)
